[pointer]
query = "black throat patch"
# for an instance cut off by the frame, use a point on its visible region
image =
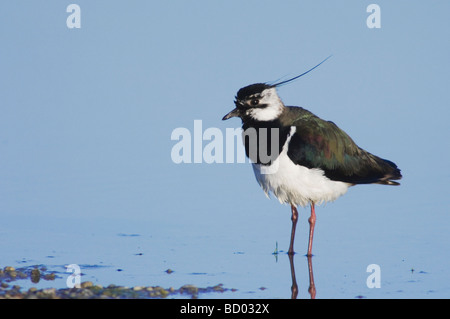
(264, 141)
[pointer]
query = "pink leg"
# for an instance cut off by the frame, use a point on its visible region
(312, 223)
(294, 219)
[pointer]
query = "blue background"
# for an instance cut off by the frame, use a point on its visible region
(86, 117)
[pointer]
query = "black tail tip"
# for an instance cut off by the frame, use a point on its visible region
(389, 179)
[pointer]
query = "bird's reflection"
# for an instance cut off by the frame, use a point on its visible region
(294, 287)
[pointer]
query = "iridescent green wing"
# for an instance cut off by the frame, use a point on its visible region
(322, 144)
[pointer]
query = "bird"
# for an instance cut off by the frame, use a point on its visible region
(300, 158)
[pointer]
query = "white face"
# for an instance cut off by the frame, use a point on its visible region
(273, 109)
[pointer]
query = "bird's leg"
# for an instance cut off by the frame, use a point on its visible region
(294, 219)
(312, 223)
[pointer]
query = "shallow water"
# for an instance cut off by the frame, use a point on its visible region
(130, 253)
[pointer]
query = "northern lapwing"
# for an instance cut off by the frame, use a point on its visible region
(308, 161)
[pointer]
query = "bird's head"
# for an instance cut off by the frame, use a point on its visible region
(260, 101)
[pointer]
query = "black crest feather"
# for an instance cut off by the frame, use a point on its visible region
(296, 77)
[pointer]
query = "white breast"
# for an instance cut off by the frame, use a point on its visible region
(295, 184)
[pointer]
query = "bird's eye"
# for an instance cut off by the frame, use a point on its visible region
(254, 102)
